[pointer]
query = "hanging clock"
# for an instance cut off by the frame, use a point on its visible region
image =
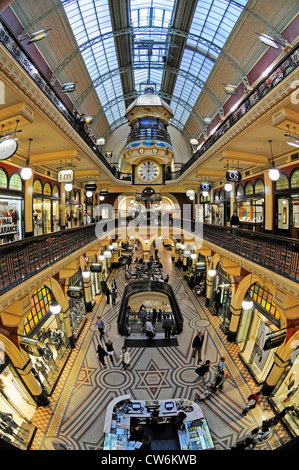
(148, 170)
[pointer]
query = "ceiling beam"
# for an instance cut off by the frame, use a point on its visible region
(54, 157)
(248, 158)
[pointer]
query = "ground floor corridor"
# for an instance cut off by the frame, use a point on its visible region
(77, 409)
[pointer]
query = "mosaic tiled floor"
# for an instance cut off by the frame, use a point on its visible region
(77, 411)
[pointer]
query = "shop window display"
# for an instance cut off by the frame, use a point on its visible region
(77, 305)
(256, 324)
(50, 332)
(10, 218)
(17, 407)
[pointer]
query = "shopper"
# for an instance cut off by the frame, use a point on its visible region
(246, 443)
(218, 381)
(113, 296)
(221, 364)
(107, 293)
(150, 329)
(125, 358)
(251, 402)
(102, 354)
(142, 316)
(197, 346)
(100, 324)
(138, 434)
(110, 350)
(113, 283)
(260, 434)
(167, 326)
(234, 221)
(202, 371)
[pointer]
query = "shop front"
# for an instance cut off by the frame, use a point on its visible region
(287, 204)
(250, 205)
(220, 208)
(75, 293)
(48, 332)
(17, 407)
(11, 207)
(221, 297)
(286, 395)
(73, 209)
(256, 325)
(46, 210)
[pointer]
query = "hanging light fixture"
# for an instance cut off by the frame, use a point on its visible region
(193, 255)
(269, 41)
(247, 303)
(228, 187)
(88, 193)
(68, 187)
(101, 257)
(293, 141)
(273, 172)
(85, 273)
(26, 172)
(55, 308)
(212, 271)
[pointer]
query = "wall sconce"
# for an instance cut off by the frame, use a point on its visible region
(274, 173)
(26, 172)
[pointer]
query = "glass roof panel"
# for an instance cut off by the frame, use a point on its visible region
(151, 21)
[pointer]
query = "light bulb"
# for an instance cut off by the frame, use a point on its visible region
(228, 187)
(274, 174)
(205, 193)
(85, 274)
(101, 257)
(68, 187)
(102, 198)
(212, 272)
(193, 255)
(88, 193)
(247, 303)
(55, 307)
(26, 173)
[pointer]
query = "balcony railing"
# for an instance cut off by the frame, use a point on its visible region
(23, 259)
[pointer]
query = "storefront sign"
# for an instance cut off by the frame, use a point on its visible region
(274, 341)
(96, 267)
(205, 187)
(65, 176)
(75, 292)
(7, 148)
(90, 187)
(233, 176)
(7, 229)
(31, 346)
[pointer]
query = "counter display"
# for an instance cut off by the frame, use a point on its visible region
(194, 434)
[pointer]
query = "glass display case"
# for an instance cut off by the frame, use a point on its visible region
(196, 436)
(251, 213)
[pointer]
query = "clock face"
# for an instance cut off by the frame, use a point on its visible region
(148, 171)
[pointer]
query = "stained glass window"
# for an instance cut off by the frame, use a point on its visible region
(40, 301)
(240, 191)
(55, 191)
(259, 186)
(3, 179)
(37, 187)
(282, 182)
(47, 189)
(295, 179)
(15, 182)
(261, 296)
(248, 188)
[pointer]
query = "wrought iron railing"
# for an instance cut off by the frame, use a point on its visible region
(148, 286)
(148, 134)
(20, 260)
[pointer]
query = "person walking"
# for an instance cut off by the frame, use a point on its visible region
(202, 371)
(221, 364)
(150, 329)
(125, 358)
(218, 381)
(110, 350)
(107, 293)
(113, 283)
(113, 296)
(102, 354)
(234, 221)
(100, 325)
(251, 402)
(142, 316)
(197, 346)
(167, 326)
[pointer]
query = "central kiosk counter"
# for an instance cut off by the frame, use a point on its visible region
(122, 413)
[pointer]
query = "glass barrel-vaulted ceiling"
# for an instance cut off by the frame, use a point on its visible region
(151, 32)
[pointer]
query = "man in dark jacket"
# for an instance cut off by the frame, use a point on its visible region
(197, 346)
(167, 326)
(202, 371)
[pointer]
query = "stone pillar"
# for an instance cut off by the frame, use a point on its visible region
(275, 373)
(62, 207)
(28, 222)
(269, 204)
(234, 323)
(87, 294)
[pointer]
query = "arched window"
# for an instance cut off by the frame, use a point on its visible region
(3, 179)
(295, 179)
(262, 297)
(47, 189)
(37, 187)
(282, 182)
(40, 301)
(248, 188)
(239, 191)
(216, 195)
(15, 182)
(259, 186)
(55, 191)
(221, 194)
